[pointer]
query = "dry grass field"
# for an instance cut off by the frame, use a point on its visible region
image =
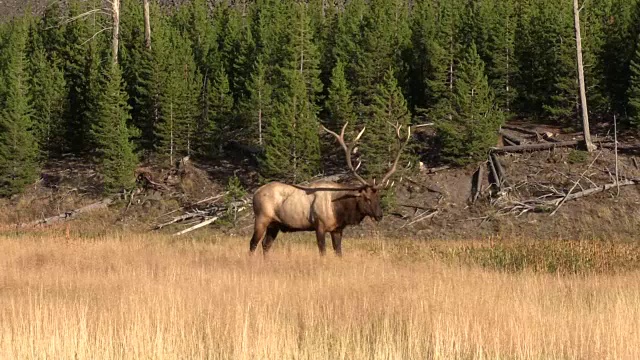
(123, 296)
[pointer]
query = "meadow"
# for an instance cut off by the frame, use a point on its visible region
(149, 296)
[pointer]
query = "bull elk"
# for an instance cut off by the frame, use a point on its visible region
(323, 206)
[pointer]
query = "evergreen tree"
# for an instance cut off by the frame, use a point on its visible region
(385, 34)
(442, 52)
(618, 50)
(634, 88)
(112, 134)
(306, 58)
(562, 104)
(292, 144)
(82, 68)
(47, 91)
(220, 106)
(472, 127)
(423, 34)
(339, 102)
(178, 100)
(379, 141)
(257, 109)
(136, 64)
(203, 35)
(494, 25)
(18, 146)
(348, 38)
(51, 30)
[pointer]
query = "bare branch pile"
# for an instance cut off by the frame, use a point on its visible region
(203, 213)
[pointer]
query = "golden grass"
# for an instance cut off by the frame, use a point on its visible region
(149, 297)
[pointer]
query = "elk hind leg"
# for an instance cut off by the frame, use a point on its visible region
(336, 241)
(259, 229)
(272, 232)
(320, 238)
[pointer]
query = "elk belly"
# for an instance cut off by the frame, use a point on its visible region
(294, 214)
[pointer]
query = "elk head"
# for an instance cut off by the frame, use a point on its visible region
(368, 194)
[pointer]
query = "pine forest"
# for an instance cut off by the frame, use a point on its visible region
(75, 80)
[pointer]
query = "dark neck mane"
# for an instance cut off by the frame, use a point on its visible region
(345, 209)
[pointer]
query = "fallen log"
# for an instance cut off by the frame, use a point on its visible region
(591, 191)
(548, 138)
(502, 176)
(68, 215)
(508, 142)
(533, 147)
(520, 129)
(437, 169)
(514, 139)
(494, 173)
(477, 184)
(620, 147)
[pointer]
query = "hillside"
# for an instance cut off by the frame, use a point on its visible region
(432, 203)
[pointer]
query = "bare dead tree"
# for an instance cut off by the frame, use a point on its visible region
(583, 93)
(147, 24)
(115, 15)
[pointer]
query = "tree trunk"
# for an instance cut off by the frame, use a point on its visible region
(583, 93)
(147, 25)
(115, 12)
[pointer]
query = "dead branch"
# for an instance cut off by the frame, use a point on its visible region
(576, 184)
(602, 188)
(211, 210)
(422, 218)
(422, 125)
(542, 204)
(416, 207)
(213, 199)
(199, 225)
(615, 140)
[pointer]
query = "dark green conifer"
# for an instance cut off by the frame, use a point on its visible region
(379, 142)
(113, 135)
(48, 94)
(18, 145)
(471, 128)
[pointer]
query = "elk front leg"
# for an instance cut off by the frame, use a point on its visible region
(320, 237)
(336, 241)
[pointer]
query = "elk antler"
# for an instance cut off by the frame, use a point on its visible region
(348, 150)
(404, 143)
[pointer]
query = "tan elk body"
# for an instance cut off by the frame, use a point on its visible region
(323, 206)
